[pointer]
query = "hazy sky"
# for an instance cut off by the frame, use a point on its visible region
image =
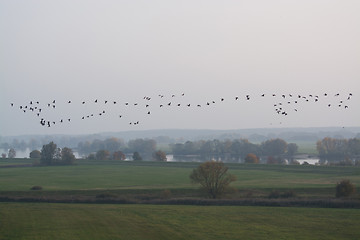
(123, 51)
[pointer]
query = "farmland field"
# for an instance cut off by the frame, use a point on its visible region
(117, 175)
(93, 221)
(138, 181)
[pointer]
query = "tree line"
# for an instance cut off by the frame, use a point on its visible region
(51, 154)
(333, 149)
(117, 149)
(236, 150)
(239, 150)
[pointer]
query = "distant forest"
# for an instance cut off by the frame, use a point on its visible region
(171, 136)
(239, 150)
(273, 145)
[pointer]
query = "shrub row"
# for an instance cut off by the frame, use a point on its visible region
(322, 203)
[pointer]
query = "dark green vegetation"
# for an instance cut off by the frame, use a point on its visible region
(88, 221)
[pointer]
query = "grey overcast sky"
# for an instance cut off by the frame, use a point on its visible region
(123, 51)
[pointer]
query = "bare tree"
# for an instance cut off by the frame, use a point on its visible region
(213, 178)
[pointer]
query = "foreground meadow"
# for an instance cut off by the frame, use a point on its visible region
(35, 221)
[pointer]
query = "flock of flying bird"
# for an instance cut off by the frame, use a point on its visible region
(285, 104)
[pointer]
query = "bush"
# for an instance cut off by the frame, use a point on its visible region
(166, 194)
(288, 194)
(274, 194)
(251, 158)
(35, 154)
(36, 188)
(344, 189)
(277, 194)
(106, 196)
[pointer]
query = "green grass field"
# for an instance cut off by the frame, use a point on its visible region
(116, 175)
(89, 221)
(20, 220)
